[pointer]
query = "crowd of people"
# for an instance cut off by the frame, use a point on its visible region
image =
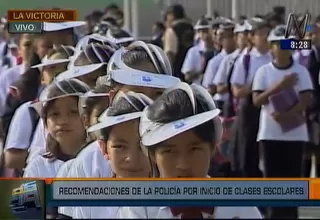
(217, 98)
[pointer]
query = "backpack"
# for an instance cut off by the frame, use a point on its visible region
(228, 106)
(12, 104)
(34, 121)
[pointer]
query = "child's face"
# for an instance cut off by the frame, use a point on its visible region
(124, 152)
(97, 110)
(64, 124)
(26, 46)
(183, 156)
(205, 34)
(42, 45)
(242, 39)
(278, 53)
(259, 37)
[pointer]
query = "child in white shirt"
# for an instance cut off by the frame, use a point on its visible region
(66, 133)
(179, 133)
(120, 145)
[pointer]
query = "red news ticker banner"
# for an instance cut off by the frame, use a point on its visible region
(42, 15)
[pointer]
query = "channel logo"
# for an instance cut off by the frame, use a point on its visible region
(25, 201)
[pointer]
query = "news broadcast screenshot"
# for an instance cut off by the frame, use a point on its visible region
(153, 109)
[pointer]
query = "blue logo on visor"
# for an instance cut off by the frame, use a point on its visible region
(146, 79)
(179, 125)
(120, 118)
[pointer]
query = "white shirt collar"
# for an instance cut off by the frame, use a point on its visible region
(256, 53)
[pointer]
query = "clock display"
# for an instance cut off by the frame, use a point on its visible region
(295, 44)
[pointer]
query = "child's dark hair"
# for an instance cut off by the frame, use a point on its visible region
(91, 102)
(29, 83)
(65, 51)
(119, 33)
(176, 105)
(94, 53)
(120, 107)
(177, 10)
(159, 25)
(57, 89)
(96, 15)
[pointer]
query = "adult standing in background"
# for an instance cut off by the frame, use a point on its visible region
(158, 29)
(274, 19)
(178, 37)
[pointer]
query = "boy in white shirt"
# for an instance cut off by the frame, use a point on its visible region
(195, 61)
(246, 160)
(282, 133)
(228, 46)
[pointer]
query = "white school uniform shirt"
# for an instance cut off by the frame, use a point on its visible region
(8, 77)
(266, 77)
(63, 173)
(95, 212)
(41, 167)
(90, 163)
(165, 213)
(296, 54)
(193, 61)
(38, 143)
(222, 74)
(256, 61)
(211, 71)
(20, 128)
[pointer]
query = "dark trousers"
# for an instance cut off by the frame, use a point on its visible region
(219, 104)
(251, 166)
(282, 159)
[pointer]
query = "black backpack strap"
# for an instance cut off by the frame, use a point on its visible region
(228, 106)
(5, 50)
(34, 119)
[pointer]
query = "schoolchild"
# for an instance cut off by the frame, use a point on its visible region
(20, 135)
(66, 133)
(198, 56)
(282, 133)
(119, 141)
(180, 146)
(246, 156)
(142, 68)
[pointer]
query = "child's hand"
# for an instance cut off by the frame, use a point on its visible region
(281, 117)
(288, 81)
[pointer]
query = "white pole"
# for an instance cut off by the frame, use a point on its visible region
(234, 12)
(209, 8)
(135, 18)
(127, 14)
